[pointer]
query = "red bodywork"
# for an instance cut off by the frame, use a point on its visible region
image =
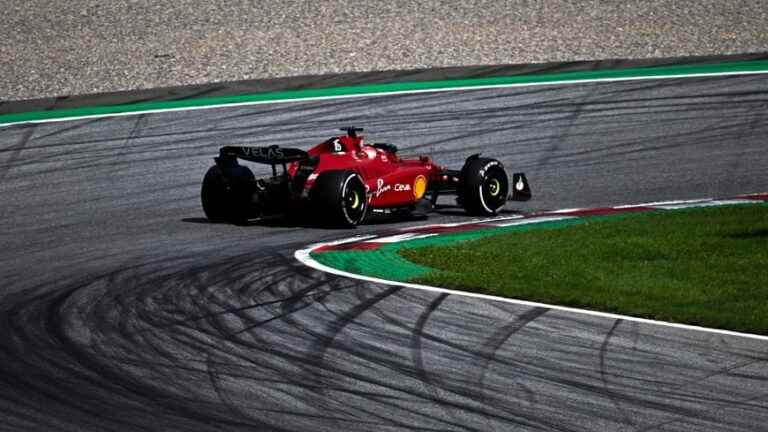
(389, 179)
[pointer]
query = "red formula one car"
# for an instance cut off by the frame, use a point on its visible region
(342, 180)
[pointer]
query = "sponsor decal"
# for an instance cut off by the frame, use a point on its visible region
(381, 187)
(519, 185)
(419, 187)
(487, 166)
(263, 152)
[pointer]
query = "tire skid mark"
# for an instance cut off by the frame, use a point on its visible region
(418, 358)
(15, 150)
(499, 413)
(215, 380)
(579, 109)
(99, 371)
(487, 409)
(492, 345)
(334, 328)
(79, 125)
(710, 415)
(403, 369)
(625, 415)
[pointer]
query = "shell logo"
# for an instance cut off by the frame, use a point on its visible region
(419, 187)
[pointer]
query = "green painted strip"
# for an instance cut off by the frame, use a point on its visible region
(685, 70)
(386, 263)
(382, 263)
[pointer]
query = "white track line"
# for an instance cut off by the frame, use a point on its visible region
(400, 237)
(663, 203)
(303, 255)
(534, 220)
(455, 224)
(391, 93)
(568, 210)
(342, 241)
(712, 203)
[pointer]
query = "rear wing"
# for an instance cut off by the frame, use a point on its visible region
(272, 155)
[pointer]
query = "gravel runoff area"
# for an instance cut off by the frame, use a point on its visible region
(53, 48)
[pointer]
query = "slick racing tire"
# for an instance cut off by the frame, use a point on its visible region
(226, 199)
(484, 186)
(339, 198)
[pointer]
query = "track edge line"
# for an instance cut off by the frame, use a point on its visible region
(304, 257)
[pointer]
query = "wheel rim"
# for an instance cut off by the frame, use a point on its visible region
(355, 200)
(354, 204)
(494, 187)
(493, 190)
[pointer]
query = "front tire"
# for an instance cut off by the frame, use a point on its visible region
(226, 199)
(484, 186)
(339, 198)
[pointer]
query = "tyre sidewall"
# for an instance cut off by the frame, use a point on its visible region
(329, 194)
(226, 200)
(352, 180)
(478, 177)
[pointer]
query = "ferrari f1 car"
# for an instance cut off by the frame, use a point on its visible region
(342, 180)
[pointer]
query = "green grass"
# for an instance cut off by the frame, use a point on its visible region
(704, 267)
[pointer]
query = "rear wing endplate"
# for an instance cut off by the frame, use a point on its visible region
(521, 190)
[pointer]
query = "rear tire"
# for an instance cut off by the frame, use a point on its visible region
(339, 198)
(484, 186)
(226, 199)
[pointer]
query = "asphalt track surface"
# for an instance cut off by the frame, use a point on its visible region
(123, 309)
